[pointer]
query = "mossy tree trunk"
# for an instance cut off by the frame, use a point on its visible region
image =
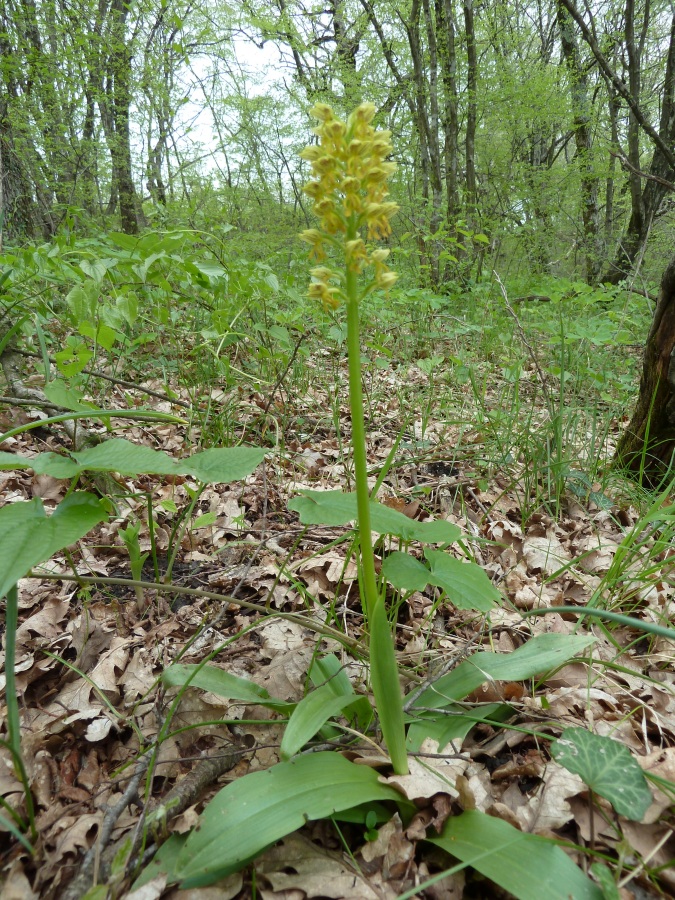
(647, 447)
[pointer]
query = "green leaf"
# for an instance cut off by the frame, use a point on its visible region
(204, 521)
(127, 304)
(82, 302)
(384, 677)
(338, 508)
(72, 360)
(311, 713)
(528, 866)
(605, 879)
(607, 767)
(119, 455)
(43, 464)
(231, 687)
(106, 336)
(453, 725)
(96, 268)
(61, 395)
(28, 536)
(163, 862)
(538, 655)
(262, 807)
(465, 583)
(330, 671)
(405, 572)
(223, 464)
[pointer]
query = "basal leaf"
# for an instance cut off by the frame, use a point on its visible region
(538, 655)
(222, 683)
(254, 811)
(526, 865)
(311, 713)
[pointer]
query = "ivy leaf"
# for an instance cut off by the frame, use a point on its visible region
(607, 767)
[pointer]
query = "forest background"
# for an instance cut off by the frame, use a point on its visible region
(530, 138)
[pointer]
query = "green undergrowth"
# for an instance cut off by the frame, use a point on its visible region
(517, 389)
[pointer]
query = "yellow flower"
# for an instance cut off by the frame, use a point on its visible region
(348, 190)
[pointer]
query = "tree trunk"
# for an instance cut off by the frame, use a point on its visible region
(581, 106)
(647, 447)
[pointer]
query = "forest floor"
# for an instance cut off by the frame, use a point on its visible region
(90, 654)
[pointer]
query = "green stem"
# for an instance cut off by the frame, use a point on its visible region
(383, 663)
(359, 446)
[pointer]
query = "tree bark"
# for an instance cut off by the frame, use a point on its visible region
(581, 105)
(647, 447)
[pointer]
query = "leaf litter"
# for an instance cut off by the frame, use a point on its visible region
(89, 660)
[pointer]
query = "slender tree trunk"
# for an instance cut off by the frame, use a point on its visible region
(581, 106)
(647, 447)
(471, 111)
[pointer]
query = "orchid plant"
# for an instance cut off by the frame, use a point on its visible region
(349, 193)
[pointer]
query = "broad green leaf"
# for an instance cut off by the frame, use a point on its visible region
(607, 767)
(212, 270)
(222, 464)
(255, 811)
(127, 304)
(61, 395)
(538, 655)
(330, 671)
(96, 268)
(465, 583)
(405, 572)
(28, 536)
(72, 360)
(106, 336)
(605, 879)
(526, 865)
(205, 521)
(338, 508)
(311, 713)
(231, 687)
(119, 455)
(53, 464)
(82, 302)
(164, 861)
(126, 241)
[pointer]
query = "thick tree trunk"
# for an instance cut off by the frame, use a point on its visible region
(647, 447)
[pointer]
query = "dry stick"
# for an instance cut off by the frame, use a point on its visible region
(324, 630)
(182, 795)
(120, 381)
(10, 366)
(90, 868)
